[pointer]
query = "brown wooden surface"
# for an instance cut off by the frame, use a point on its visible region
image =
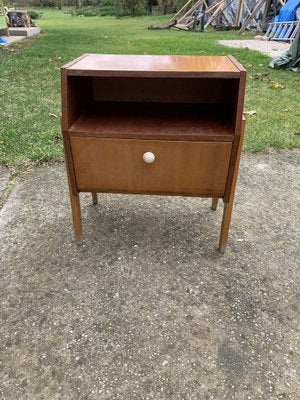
(179, 168)
(95, 198)
(74, 195)
(145, 65)
(154, 121)
(240, 103)
(214, 203)
(117, 107)
(228, 205)
(236, 145)
(238, 131)
(69, 164)
(76, 216)
(75, 60)
(167, 90)
(75, 95)
(238, 65)
(230, 100)
(64, 98)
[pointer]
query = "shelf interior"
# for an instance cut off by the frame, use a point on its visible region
(169, 121)
(151, 108)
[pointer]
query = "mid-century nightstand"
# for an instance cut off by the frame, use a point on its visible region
(167, 125)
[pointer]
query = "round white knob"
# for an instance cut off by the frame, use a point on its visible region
(148, 157)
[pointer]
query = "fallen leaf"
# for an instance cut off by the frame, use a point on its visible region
(56, 57)
(56, 138)
(251, 113)
(53, 115)
(248, 65)
(297, 133)
(260, 76)
(275, 85)
(1, 141)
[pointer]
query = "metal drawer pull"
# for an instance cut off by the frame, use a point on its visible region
(148, 157)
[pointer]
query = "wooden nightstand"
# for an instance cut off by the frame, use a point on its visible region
(167, 125)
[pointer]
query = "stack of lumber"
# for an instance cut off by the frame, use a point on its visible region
(261, 5)
(195, 12)
(19, 19)
(202, 13)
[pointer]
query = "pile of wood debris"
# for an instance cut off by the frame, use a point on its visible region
(223, 14)
(19, 19)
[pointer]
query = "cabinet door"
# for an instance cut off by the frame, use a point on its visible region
(187, 168)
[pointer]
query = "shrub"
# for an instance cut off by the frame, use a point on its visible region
(119, 8)
(106, 7)
(135, 7)
(107, 10)
(43, 3)
(91, 11)
(129, 7)
(170, 6)
(34, 15)
(88, 11)
(88, 3)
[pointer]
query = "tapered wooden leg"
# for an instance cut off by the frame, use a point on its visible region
(214, 203)
(225, 226)
(95, 198)
(228, 204)
(74, 195)
(76, 215)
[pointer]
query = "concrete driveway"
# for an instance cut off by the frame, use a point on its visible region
(147, 308)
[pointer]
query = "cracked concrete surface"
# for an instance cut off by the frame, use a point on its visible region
(147, 308)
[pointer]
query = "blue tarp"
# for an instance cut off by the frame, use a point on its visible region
(288, 11)
(2, 40)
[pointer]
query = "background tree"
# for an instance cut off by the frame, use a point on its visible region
(131, 7)
(170, 6)
(135, 7)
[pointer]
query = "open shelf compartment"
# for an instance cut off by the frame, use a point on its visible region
(156, 108)
(167, 121)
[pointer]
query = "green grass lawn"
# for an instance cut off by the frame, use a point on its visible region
(30, 81)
